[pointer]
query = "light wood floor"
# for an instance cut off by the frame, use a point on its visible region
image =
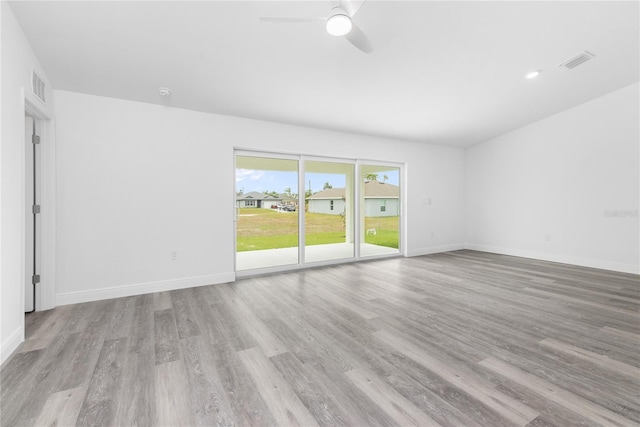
(456, 339)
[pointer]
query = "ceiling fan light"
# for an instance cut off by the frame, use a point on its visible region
(339, 24)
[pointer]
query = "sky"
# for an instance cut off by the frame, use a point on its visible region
(260, 180)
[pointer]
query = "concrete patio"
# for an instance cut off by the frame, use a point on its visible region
(289, 256)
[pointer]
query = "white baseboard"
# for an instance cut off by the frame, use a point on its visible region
(435, 249)
(8, 346)
(142, 288)
(564, 259)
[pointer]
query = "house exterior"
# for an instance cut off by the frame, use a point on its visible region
(254, 199)
(380, 199)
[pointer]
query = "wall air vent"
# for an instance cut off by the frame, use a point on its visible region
(576, 60)
(38, 87)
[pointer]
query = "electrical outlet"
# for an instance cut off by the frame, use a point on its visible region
(547, 237)
(174, 255)
(433, 233)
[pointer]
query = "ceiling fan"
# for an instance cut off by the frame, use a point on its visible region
(339, 22)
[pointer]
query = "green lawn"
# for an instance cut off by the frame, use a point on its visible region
(383, 238)
(259, 229)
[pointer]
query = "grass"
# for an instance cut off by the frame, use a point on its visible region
(259, 229)
(384, 238)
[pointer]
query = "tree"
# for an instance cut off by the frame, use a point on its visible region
(384, 178)
(327, 186)
(370, 176)
(271, 193)
(308, 194)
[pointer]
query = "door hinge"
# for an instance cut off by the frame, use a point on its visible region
(35, 279)
(35, 209)
(35, 139)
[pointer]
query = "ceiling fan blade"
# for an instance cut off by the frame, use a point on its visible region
(289, 20)
(359, 39)
(352, 6)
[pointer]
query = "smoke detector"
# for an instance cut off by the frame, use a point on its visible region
(164, 91)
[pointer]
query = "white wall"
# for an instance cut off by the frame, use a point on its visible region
(136, 181)
(17, 61)
(372, 207)
(323, 206)
(558, 177)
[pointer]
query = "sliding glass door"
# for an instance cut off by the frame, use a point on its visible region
(294, 210)
(379, 210)
(329, 214)
(266, 212)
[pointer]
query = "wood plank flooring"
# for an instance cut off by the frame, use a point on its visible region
(456, 339)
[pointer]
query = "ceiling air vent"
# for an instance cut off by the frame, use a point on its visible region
(579, 59)
(37, 86)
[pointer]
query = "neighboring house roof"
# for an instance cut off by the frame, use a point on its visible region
(329, 193)
(255, 195)
(372, 189)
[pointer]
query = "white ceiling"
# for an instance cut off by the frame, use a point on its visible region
(443, 72)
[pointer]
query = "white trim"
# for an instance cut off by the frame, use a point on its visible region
(11, 344)
(403, 182)
(142, 288)
(302, 213)
(244, 152)
(358, 219)
(435, 250)
(564, 259)
(35, 107)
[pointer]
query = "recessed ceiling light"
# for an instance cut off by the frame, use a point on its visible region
(339, 23)
(164, 91)
(532, 74)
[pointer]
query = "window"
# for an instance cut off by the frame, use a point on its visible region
(379, 209)
(346, 209)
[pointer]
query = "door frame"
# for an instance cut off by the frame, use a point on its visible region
(46, 289)
(402, 223)
(301, 158)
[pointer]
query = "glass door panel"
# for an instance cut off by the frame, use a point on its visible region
(379, 210)
(266, 212)
(329, 211)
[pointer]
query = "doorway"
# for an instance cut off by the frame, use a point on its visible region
(329, 212)
(296, 210)
(266, 204)
(32, 212)
(380, 213)
(38, 222)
